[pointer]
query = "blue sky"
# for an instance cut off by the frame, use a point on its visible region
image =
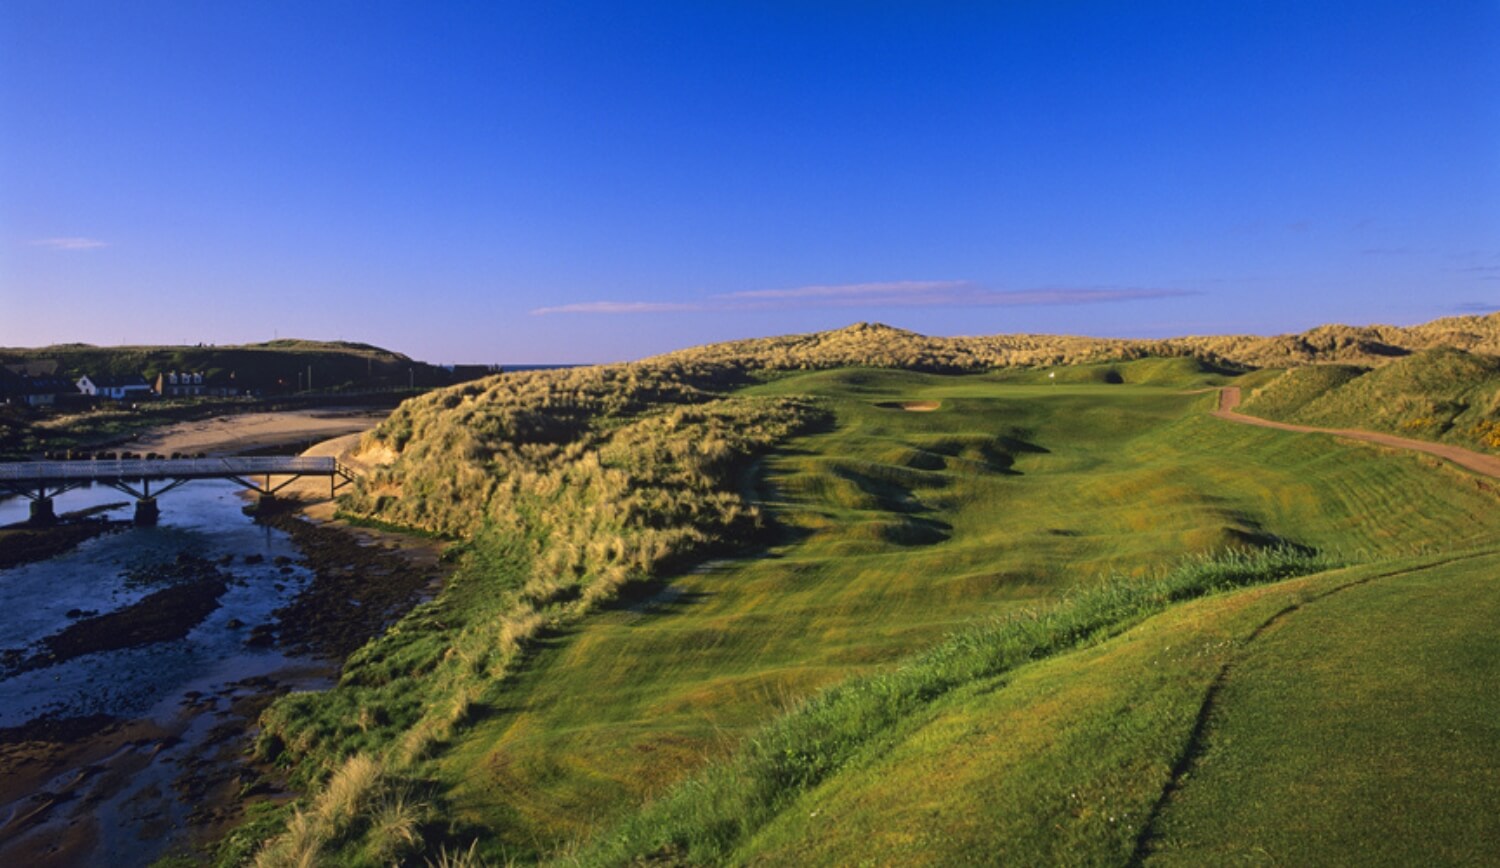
(549, 182)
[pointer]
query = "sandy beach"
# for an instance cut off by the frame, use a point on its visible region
(240, 433)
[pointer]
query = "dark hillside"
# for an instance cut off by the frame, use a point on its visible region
(274, 366)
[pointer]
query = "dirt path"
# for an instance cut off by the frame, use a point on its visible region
(1489, 465)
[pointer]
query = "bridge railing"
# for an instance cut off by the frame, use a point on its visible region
(32, 471)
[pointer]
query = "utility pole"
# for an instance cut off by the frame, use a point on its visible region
(309, 378)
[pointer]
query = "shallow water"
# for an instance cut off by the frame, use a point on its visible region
(160, 682)
(202, 519)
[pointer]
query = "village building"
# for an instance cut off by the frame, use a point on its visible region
(197, 384)
(35, 391)
(179, 384)
(119, 388)
(34, 384)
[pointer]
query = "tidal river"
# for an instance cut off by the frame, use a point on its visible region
(130, 668)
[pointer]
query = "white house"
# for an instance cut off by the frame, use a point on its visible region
(118, 388)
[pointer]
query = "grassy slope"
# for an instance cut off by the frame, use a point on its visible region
(1283, 397)
(1064, 761)
(1443, 394)
(1040, 488)
(1362, 730)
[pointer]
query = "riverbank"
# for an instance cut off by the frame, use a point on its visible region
(75, 785)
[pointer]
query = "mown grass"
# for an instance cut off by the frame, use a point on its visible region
(1361, 730)
(1182, 371)
(707, 818)
(1065, 760)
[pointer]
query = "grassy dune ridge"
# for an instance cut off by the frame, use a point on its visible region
(1441, 394)
(561, 696)
(876, 345)
(567, 529)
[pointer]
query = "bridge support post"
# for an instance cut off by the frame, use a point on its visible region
(42, 511)
(147, 511)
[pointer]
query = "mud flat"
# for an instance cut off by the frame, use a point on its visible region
(23, 544)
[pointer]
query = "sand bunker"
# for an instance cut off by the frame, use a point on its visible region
(910, 406)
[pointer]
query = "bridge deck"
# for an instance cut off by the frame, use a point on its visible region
(51, 472)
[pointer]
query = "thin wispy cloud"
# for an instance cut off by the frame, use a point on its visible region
(1084, 295)
(1482, 272)
(1476, 307)
(68, 243)
(618, 307)
(904, 293)
(848, 290)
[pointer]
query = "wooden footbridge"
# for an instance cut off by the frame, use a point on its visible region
(40, 481)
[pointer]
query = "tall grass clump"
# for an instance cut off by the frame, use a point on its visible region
(705, 818)
(359, 802)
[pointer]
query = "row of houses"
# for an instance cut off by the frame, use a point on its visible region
(37, 387)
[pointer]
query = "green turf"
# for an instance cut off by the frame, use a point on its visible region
(1180, 371)
(898, 528)
(1317, 753)
(1361, 729)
